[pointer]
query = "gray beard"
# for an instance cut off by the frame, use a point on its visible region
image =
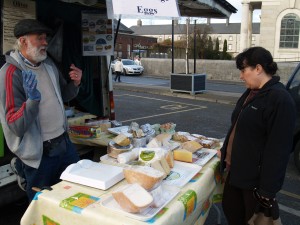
(35, 54)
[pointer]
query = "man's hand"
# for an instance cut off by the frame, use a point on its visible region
(30, 84)
(75, 74)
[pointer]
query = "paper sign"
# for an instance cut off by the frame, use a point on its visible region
(97, 34)
(145, 8)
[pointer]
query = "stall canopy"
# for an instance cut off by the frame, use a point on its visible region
(187, 8)
(206, 8)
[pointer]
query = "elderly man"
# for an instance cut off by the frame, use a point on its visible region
(32, 96)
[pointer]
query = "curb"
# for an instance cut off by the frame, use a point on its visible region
(210, 96)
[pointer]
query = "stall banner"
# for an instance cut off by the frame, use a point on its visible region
(97, 34)
(145, 8)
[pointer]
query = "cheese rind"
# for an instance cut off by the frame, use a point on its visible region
(170, 158)
(183, 155)
(146, 176)
(132, 198)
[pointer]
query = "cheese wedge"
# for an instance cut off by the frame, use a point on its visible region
(157, 165)
(161, 165)
(191, 146)
(165, 165)
(154, 143)
(183, 155)
(122, 140)
(132, 198)
(170, 158)
(146, 176)
(163, 137)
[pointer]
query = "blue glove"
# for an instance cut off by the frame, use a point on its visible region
(30, 84)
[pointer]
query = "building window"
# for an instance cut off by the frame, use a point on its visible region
(230, 47)
(289, 31)
(230, 38)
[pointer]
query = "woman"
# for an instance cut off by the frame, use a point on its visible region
(257, 147)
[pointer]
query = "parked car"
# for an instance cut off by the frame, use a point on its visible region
(293, 87)
(130, 68)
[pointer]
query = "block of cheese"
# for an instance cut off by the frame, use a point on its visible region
(146, 176)
(165, 165)
(179, 137)
(164, 137)
(132, 198)
(129, 156)
(161, 165)
(191, 146)
(170, 158)
(183, 155)
(206, 143)
(157, 165)
(122, 140)
(154, 143)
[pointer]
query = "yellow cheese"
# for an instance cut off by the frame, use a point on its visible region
(183, 155)
(122, 140)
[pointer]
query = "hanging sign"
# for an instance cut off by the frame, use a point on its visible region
(145, 8)
(97, 34)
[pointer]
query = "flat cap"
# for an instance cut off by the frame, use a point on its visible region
(30, 26)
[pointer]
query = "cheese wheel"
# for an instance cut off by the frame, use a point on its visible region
(183, 155)
(132, 198)
(146, 176)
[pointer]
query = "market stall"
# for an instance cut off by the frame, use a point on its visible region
(183, 196)
(90, 207)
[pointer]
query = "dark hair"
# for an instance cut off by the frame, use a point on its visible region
(254, 56)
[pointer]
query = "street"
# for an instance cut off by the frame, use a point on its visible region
(202, 117)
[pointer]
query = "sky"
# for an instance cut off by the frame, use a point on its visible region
(234, 18)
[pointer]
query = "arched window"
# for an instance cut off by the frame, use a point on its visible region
(289, 31)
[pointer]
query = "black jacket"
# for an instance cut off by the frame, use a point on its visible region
(263, 139)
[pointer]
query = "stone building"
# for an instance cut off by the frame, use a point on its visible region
(278, 30)
(279, 27)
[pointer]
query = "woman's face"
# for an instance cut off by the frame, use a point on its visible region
(249, 75)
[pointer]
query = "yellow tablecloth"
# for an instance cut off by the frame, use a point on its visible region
(46, 209)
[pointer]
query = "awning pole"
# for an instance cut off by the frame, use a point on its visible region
(172, 46)
(195, 47)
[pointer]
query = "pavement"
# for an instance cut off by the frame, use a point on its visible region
(223, 97)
